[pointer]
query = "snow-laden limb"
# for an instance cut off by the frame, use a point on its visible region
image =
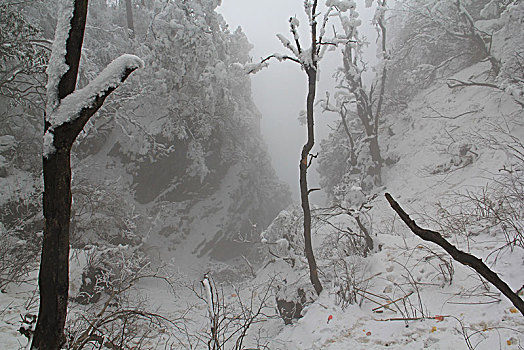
(253, 68)
(48, 146)
(342, 5)
(293, 24)
(287, 44)
(206, 283)
(57, 65)
(109, 79)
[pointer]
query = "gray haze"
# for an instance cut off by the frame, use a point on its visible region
(280, 90)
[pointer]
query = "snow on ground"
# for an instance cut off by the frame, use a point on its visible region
(452, 308)
(425, 137)
(16, 301)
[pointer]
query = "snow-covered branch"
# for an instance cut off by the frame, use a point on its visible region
(58, 67)
(109, 79)
(293, 25)
(252, 68)
(80, 105)
(287, 44)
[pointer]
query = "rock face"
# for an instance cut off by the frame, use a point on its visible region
(175, 159)
(186, 146)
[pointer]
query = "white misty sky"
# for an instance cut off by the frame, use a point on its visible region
(280, 90)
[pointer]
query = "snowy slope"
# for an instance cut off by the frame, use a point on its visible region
(427, 138)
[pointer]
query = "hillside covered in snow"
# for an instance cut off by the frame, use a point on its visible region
(182, 236)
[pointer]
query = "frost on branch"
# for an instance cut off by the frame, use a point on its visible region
(342, 5)
(57, 64)
(254, 67)
(287, 44)
(294, 23)
(71, 107)
(110, 78)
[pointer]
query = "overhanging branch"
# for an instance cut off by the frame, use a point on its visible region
(460, 256)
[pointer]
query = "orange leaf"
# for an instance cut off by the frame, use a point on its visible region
(433, 329)
(513, 310)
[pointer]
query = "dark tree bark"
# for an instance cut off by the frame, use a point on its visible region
(304, 191)
(310, 67)
(53, 278)
(311, 72)
(460, 256)
(129, 16)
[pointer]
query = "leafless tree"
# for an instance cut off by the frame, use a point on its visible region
(60, 134)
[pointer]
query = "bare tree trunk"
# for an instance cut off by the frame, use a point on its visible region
(304, 191)
(54, 269)
(53, 276)
(460, 256)
(53, 279)
(129, 16)
(353, 157)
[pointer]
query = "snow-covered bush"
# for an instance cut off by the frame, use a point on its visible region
(17, 258)
(348, 232)
(20, 233)
(285, 243)
(284, 238)
(101, 215)
(461, 155)
(346, 243)
(110, 270)
(432, 40)
(496, 208)
(108, 308)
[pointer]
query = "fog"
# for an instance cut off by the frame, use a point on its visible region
(279, 91)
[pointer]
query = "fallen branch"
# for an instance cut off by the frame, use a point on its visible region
(439, 318)
(400, 319)
(453, 83)
(460, 256)
(392, 301)
(440, 115)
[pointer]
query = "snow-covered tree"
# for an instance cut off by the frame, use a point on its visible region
(23, 56)
(352, 159)
(308, 58)
(434, 39)
(67, 112)
(186, 121)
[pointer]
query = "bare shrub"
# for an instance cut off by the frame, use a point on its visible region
(344, 249)
(496, 208)
(19, 241)
(350, 232)
(110, 312)
(231, 318)
(349, 280)
(16, 259)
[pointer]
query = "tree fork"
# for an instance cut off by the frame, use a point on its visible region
(53, 279)
(460, 256)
